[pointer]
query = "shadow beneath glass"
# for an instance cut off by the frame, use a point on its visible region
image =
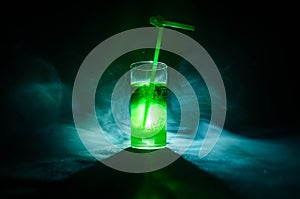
(181, 179)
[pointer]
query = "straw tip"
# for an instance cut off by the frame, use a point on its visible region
(156, 21)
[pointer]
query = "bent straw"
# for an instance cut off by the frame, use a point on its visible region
(153, 72)
(160, 23)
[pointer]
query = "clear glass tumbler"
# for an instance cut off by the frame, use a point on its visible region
(148, 105)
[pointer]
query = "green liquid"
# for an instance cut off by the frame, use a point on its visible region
(149, 132)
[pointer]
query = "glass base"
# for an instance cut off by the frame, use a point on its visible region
(148, 147)
(156, 142)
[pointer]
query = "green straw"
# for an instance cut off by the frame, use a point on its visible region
(153, 72)
(160, 23)
(156, 54)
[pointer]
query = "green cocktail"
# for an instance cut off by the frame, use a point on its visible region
(148, 107)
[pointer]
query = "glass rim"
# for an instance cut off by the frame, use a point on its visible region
(162, 64)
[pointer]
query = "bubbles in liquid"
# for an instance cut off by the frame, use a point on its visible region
(156, 120)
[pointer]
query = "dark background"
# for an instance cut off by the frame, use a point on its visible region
(252, 43)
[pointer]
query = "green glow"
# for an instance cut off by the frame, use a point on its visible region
(160, 22)
(148, 115)
(153, 72)
(152, 134)
(156, 54)
(155, 121)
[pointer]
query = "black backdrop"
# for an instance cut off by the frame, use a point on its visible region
(253, 44)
